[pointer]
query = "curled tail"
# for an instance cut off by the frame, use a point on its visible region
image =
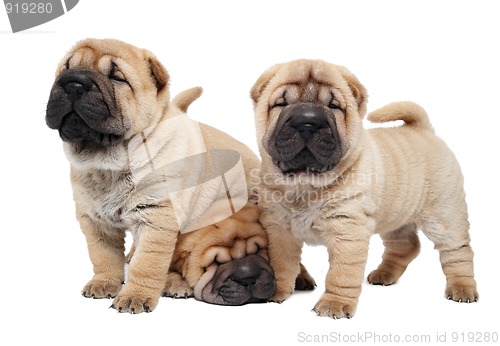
(184, 99)
(411, 113)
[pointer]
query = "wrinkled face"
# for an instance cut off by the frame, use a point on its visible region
(105, 91)
(307, 113)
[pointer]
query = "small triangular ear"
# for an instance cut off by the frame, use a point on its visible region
(358, 90)
(158, 71)
(262, 82)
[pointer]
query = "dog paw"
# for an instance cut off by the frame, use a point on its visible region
(280, 296)
(335, 307)
(462, 293)
(177, 288)
(101, 289)
(381, 277)
(134, 302)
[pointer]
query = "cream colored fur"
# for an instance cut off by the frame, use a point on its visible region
(390, 181)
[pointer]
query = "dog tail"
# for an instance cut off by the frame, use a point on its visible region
(411, 113)
(184, 99)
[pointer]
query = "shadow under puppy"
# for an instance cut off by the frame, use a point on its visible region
(109, 98)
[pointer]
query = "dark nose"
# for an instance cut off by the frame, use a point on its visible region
(246, 273)
(75, 90)
(75, 84)
(307, 120)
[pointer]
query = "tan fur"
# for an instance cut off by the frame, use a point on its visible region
(389, 181)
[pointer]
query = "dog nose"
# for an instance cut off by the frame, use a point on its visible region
(75, 90)
(307, 120)
(75, 84)
(246, 273)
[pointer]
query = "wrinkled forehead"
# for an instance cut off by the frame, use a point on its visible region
(310, 72)
(101, 54)
(306, 80)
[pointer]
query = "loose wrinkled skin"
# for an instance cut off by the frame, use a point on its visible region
(327, 180)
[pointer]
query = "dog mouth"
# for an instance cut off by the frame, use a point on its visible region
(305, 140)
(303, 162)
(74, 129)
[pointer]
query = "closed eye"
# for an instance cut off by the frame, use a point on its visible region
(116, 75)
(281, 102)
(333, 104)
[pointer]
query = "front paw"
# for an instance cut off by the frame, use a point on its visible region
(134, 301)
(462, 293)
(280, 296)
(177, 287)
(102, 289)
(335, 307)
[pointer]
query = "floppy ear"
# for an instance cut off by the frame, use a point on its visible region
(263, 81)
(158, 71)
(358, 90)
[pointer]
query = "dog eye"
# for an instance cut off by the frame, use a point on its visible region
(280, 103)
(118, 77)
(334, 104)
(116, 74)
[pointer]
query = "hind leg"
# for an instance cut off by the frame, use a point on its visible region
(304, 281)
(401, 247)
(452, 241)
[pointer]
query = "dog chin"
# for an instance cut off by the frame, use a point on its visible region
(304, 176)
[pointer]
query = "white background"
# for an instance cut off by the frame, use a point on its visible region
(441, 54)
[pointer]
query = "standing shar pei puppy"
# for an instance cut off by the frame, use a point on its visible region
(110, 103)
(327, 180)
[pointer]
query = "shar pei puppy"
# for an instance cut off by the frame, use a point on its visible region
(327, 180)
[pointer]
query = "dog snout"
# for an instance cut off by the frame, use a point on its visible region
(247, 272)
(308, 119)
(246, 280)
(75, 83)
(74, 89)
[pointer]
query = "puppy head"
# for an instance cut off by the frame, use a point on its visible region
(308, 116)
(226, 263)
(105, 91)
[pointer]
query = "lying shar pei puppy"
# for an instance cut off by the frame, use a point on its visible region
(327, 180)
(133, 155)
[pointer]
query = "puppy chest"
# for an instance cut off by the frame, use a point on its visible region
(105, 199)
(302, 226)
